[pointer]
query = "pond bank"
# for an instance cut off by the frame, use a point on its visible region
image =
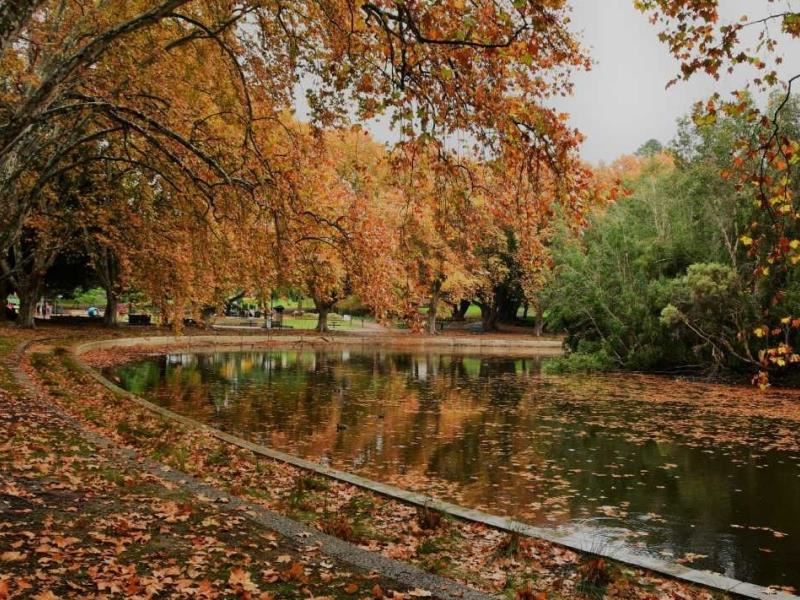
(457, 343)
(488, 558)
(576, 540)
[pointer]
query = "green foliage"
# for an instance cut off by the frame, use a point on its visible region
(709, 293)
(709, 283)
(352, 305)
(650, 148)
(91, 297)
(661, 279)
(610, 289)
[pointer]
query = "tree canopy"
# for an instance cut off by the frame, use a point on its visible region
(767, 154)
(176, 118)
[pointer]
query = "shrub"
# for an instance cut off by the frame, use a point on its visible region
(595, 576)
(352, 305)
(339, 526)
(527, 592)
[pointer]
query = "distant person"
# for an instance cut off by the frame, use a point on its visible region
(48, 310)
(92, 312)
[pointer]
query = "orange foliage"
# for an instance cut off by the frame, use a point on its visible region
(177, 112)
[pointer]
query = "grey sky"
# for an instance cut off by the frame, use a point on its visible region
(623, 102)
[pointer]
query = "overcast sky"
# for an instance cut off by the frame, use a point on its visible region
(622, 102)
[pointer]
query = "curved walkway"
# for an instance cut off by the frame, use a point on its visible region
(579, 540)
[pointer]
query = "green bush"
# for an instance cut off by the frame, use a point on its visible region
(658, 281)
(90, 297)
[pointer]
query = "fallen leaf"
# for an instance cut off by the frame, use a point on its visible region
(242, 578)
(13, 556)
(294, 573)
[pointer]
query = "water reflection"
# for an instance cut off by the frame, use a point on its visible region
(661, 460)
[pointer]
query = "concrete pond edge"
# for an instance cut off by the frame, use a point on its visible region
(579, 539)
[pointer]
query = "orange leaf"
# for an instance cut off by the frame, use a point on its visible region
(294, 573)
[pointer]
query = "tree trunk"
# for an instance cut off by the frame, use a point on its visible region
(322, 320)
(432, 320)
(178, 314)
(488, 317)
(108, 269)
(460, 311)
(27, 306)
(31, 263)
(433, 308)
(111, 318)
(538, 326)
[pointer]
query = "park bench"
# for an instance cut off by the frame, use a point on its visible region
(139, 319)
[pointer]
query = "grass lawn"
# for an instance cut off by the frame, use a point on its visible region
(335, 322)
(306, 322)
(474, 313)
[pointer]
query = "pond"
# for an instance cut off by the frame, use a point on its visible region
(707, 475)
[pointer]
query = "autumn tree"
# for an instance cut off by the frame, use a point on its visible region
(41, 239)
(339, 223)
(443, 210)
(178, 89)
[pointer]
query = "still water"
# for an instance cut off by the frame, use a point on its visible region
(688, 472)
